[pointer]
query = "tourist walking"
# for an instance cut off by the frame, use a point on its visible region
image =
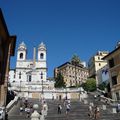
(91, 113)
(21, 110)
(96, 113)
(27, 110)
(118, 107)
(68, 108)
(59, 108)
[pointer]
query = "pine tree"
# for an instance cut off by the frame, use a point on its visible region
(75, 60)
(59, 81)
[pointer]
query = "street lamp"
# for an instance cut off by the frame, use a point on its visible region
(42, 87)
(42, 92)
(20, 85)
(29, 89)
(66, 94)
(20, 89)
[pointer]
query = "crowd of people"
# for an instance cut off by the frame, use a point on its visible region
(67, 106)
(26, 106)
(94, 112)
(62, 107)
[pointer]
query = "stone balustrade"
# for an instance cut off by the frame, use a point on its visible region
(12, 103)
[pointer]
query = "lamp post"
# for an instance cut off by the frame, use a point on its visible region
(66, 94)
(20, 85)
(20, 89)
(29, 89)
(42, 86)
(41, 75)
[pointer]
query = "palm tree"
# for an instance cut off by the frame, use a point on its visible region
(75, 60)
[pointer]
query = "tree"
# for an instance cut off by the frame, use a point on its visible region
(90, 85)
(102, 86)
(75, 60)
(59, 81)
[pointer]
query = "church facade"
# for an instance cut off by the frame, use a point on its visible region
(29, 78)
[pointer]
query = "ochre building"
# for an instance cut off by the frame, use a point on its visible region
(113, 59)
(73, 75)
(7, 47)
(96, 63)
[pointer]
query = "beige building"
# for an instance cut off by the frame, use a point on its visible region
(113, 59)
(73, 75)
(96, 63)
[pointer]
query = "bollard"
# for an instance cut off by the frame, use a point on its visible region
(104, 107)
(35, 115)
(114, 110)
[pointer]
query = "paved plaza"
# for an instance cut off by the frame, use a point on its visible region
(79, 111)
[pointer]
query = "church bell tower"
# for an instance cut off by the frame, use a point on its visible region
(21, 53)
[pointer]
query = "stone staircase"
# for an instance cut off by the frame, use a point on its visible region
(79, 111)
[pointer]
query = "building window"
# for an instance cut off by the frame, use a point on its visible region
(111, 63)
(20, 75)
(117, 96)
(114, 80)
(29, 78)
(21, 55)
(98, 58)
(41, 56)
(99, 64)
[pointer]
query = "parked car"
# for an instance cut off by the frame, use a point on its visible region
(2, 113)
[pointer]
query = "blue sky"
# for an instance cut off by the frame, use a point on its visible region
(67, 27)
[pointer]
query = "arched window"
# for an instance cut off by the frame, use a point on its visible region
(21, 55)
(41, 56)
